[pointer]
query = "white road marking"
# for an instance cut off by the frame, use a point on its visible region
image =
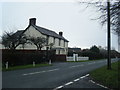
(43, 71)
(83, 77)
(40, 72)
(53, 70)
(24, 74)
(32, 73)
(87, 75)
(36, 72)
(68, 83)
(92, 81)
(76, 79)
(76, 66)
(98, 84)
(101, 85)
(58, 87)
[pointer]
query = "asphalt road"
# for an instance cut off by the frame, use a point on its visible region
(60, 75)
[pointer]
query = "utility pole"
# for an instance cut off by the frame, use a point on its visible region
(118, 33)
(108, 36)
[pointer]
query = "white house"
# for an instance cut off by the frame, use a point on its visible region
(60, 44)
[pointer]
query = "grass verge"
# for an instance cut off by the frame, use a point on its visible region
(25, 67)
(109, 78)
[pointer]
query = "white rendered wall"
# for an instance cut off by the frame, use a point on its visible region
(32, 32)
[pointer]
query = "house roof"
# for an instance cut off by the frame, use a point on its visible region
(43, 31)
(18, 33)
(49, 32)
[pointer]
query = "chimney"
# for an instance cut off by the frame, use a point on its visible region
(32, 21)
(61, 33)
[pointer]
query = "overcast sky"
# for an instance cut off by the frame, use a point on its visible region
(69, 17)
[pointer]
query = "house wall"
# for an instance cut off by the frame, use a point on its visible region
(62, 43)
(50, 40)
(56, 42)
(32, 32)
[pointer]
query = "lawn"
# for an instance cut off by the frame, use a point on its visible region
(25, 66)
(109, 78)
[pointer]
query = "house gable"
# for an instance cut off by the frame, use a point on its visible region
(32, 32)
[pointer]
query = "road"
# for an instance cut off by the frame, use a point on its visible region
(60, 75)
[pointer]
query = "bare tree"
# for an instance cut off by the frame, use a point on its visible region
(101, 7)
(11, 41)
(39, 42)
(23, 41)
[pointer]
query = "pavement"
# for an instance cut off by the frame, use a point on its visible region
(59, 76)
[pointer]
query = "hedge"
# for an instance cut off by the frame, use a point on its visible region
(23, 57)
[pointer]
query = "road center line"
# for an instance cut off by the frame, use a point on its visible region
(76, 80)
(76, 66)
(58, 87)
(40, 72)
(68, 83)
(52, 70)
